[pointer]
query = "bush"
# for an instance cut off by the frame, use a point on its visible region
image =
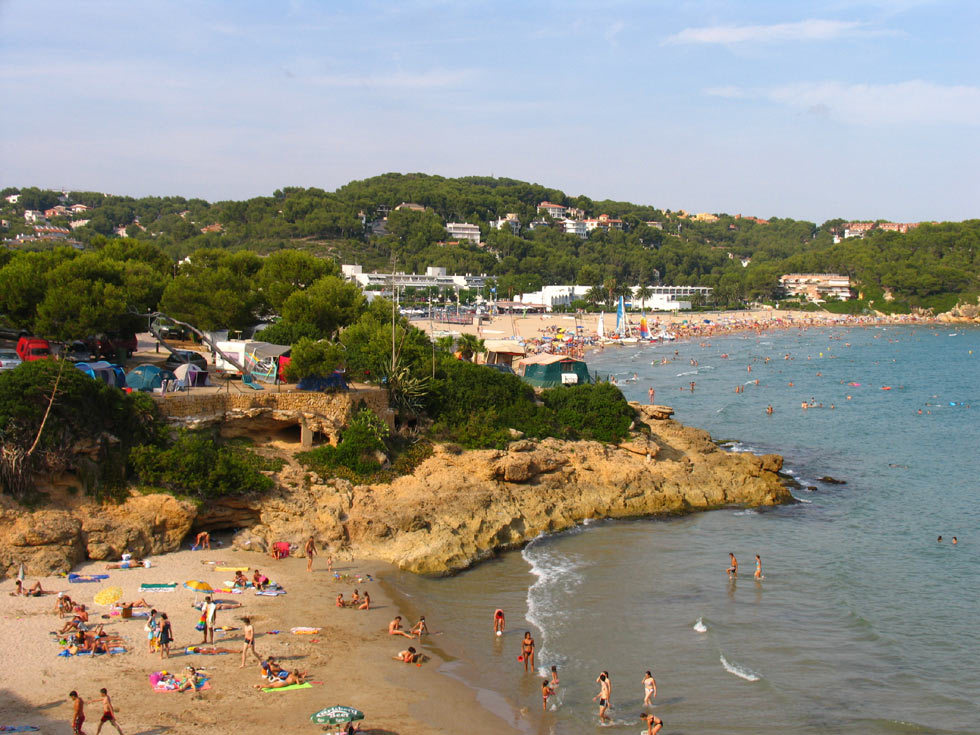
(197, 466)
(595, 411)
(356, 451)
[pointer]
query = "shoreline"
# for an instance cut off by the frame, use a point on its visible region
(351, 655)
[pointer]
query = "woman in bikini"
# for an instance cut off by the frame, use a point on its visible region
(527, 651)
(166, 636)
(649, 688)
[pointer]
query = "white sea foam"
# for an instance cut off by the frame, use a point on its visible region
(689, 372)
(700, 627)
(740, 671)
(746, 512)
(557, 576)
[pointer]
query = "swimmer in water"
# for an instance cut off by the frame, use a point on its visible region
(733, 566)
(758, 567)
(954, 541)
(692, 386)
(769, 410)
(939, 540)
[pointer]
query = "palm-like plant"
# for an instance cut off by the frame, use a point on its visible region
(595, 295)
(444, 344)
(470, 345)
(643, 293)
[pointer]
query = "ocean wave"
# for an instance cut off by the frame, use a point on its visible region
(689, 372)
(740, 671)
(557, 576)
(746, 512)
(700, 627)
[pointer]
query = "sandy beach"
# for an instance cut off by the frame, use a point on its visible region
(350, 659)
(686, 325)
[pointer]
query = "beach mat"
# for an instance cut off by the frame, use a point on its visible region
(158, 586)
(304, 630)
(231, 569)
(79, 578)
(304, 685)
(19, 728)
(199, 651)
(270, 593)
(203, 688)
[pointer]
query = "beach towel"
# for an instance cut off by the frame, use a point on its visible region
(270, 593)
(304, 630)
(201, 688)
(158, 586)
(79, 578)
(18, 728)
(304, 685)
(201, 651)
(231, 569)
(112, 649)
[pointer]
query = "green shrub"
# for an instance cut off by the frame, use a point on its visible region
(196, 465)
(592, 411)
(355, 452)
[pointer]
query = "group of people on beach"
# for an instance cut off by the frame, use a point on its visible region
(78, 712)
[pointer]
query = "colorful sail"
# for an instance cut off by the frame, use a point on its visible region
(621, 318)
(644, 330)
(601, 329)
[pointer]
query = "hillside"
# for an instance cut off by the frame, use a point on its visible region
(931, 265)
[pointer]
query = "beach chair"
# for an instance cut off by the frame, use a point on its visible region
(251, 382)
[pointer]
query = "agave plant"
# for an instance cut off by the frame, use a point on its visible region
(406, 392)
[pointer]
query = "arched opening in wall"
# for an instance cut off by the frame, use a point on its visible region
(288, 434)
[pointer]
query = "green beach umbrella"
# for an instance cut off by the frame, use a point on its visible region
(336, 715)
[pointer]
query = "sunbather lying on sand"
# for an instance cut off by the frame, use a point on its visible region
(295, 677)
(34, 591)
(127, 564)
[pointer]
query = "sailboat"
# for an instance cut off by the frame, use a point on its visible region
(600, 329)
(623, 324)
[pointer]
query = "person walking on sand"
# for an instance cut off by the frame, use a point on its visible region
(108, 713)
(310, 551)
(527, 651)
(649, 688)
(498, 621)
(210, 613)
(758, 567)
(733, 566)
(249, 644)
(78, 713)
(603, 697)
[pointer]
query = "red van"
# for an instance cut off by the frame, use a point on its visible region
(33, 348)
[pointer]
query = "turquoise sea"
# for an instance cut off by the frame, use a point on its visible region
(863, 624)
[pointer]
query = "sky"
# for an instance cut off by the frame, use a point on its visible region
(788, 108)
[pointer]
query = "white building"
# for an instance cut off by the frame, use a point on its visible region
(604, 221)
(13, 198)
(817, 286)
(76, 223)
(464, 231)
(511, 220)
(663, 298)
(557, 211)
(575, 227)
(33, 215)
(433, 277)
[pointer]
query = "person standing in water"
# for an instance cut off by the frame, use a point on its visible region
(654, 723)
(649, 688)
(733, 566)
(527, 651)
(546, 691)
(498, 621)
(603, 697)
(650, 393)
(758, 567)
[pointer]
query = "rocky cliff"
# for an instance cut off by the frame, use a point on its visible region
(455, 509)
(460, 507)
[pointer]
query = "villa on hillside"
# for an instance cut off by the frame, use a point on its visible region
(817, 286)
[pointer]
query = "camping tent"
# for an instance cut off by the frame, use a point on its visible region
(148, 377)
(334, 381)
(503, 351)
(262, 360)
(190, 374)
(547, 371)
(109, 374)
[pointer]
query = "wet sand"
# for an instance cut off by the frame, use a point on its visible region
(351, 656)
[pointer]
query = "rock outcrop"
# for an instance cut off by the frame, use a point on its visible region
(49, 541)
(454, 510)
(459, 508)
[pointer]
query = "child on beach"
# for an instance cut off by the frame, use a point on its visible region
(78, 713)
(546, 691)
(420, 627)
(395, 627)
(108, 713)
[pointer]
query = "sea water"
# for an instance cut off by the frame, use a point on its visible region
(863, 623)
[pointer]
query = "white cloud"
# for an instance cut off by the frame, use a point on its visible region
(804, 30)
(912, 102)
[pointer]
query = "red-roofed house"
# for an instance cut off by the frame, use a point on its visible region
(554, 210)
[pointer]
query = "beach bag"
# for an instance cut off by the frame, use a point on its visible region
(200, 623)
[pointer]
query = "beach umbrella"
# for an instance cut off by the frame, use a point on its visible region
(198, 586)
(336, 715)
(108, 595)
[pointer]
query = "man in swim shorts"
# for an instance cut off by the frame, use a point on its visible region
(78, 713)
(310, 551)
(108, 713)
(603, 697)
(733, 566)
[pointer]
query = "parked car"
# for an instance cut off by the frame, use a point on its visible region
(181, 357)
(33, 348)
(109, 345)
(501, 368)
(10, 332)
(77, 351)
(9, 359)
